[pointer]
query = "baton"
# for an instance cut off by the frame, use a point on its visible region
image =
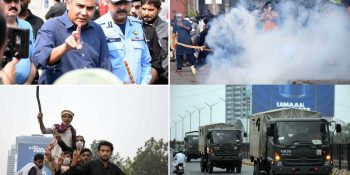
(38, 98)
(129, 72)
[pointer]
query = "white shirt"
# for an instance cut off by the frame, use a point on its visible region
(180, 158)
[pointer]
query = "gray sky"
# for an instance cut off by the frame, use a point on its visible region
(186, 97)
(183, 98)
(125, 115)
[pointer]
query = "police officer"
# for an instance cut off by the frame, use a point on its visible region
(126, 42)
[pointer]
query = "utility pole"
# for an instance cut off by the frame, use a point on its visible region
(175, 124)
(182, 118)
(211, 109)
(190, 114)
(199, 114)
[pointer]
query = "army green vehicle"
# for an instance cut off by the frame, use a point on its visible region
(191, 145)
(290, 141)
(220, 146)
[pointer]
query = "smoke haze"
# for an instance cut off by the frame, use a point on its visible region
(311, 42)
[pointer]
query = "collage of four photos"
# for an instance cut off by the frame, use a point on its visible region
(161, 87)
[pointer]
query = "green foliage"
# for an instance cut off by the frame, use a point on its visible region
(152, 159)
(94, 150)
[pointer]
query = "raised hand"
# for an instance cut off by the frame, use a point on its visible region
(73, 41)
(40, 116)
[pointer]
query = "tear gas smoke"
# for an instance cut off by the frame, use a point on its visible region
(311, 42)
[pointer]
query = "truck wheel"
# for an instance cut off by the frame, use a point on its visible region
(256, 168)
(202, 166)
(228, 170)
(239, 168)
(210, 167)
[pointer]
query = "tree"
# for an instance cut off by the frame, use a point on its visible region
(152, 159)
(344, 136)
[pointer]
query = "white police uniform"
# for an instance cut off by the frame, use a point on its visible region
(131, 47)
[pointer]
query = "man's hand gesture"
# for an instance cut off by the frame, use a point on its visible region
(73, 41)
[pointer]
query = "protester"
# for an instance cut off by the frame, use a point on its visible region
(182, 31)
(200, 41)
(126, 42)
(37, 167)
(102, 165)
(69, 42)
(269, 17)
(79, 143)
(63, 162)
(66, 131)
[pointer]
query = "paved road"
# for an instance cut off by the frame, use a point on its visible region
(186, 76)
(193, 168)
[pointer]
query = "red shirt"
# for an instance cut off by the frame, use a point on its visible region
(103, 6)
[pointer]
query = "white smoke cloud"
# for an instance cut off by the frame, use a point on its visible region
(312, 42)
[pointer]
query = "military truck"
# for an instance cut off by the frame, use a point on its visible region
(290, 141)
(191, 145)
(220, 146)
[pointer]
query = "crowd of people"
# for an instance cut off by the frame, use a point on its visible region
(188, 36)
(67, 154)
(188, 33)
(131, 46)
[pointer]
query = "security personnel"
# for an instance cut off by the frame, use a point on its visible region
(126, 42)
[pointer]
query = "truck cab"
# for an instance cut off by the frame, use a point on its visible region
(221, 147)
(299, 146)
(191, 145)
(291, 141)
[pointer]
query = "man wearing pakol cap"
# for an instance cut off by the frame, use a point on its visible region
(65, 130)
(126, 42)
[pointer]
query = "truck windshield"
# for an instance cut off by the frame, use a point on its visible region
(302, 132)
(220, 137)
(192, 140)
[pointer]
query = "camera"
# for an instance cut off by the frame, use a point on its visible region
(17, 44)
(179, 20)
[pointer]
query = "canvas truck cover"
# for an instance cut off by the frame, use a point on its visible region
(203, 131)
(259, 123)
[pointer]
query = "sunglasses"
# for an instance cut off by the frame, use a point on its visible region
(9, 1)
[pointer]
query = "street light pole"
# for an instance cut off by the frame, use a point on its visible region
(224, 100)
(199, 114)
(190, 114)
(175, 124)
(211, 109)
(182, 118)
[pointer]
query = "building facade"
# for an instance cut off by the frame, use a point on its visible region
(23, 151)
(238, 104)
